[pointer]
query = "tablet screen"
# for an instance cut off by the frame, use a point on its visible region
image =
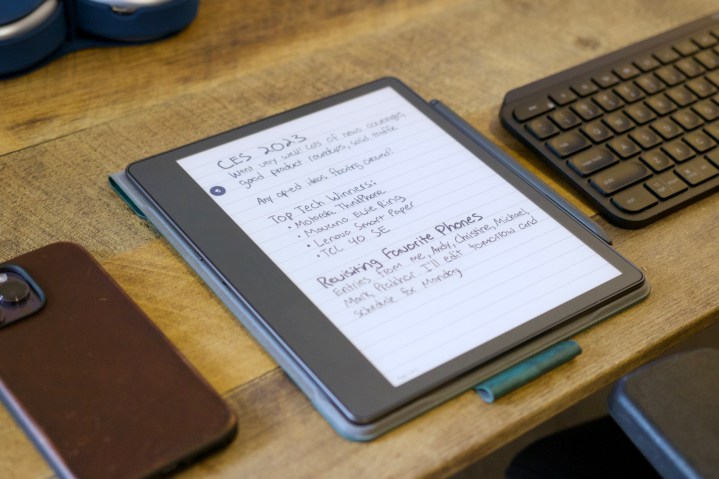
(415, 250)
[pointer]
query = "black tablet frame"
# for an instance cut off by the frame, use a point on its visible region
(351, 382)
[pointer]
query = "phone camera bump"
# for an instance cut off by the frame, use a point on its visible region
(13, 290)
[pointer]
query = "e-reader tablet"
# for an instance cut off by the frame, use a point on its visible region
(385, 258)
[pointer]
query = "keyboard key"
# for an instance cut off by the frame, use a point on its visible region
(657, 160)
(584, 87)
(666, 128)
(541, 128)
(713, 130)
(646, 63)
(678, 151)
(666, 55)
(532, 108)
(704, 40)
(686, 47)
(606, 79)
(670, 75)
(687, 119)
(666, 185)
(650, 84)
(590, 161)
(708, 59)
(681, 96)
(634, 200)
(714, 157)
(562, 96)
(661, 105)
(619, 176)
(564, 118)
(597, 131)
(645, 137)
(699, 141)
(697, 171)
(618, 122)
(689, 67)
(640, 113)
(567, 144)
(587, 109)
(623, 147)
(701, 88)
(625, 71)
(713, 77)
(608, 100)
(629, 92)
(707, 110)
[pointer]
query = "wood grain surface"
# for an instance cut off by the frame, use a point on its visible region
(66, 126)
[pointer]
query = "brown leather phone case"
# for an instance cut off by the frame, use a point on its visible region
(95, 384)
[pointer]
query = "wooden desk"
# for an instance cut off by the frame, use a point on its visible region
(66, 126)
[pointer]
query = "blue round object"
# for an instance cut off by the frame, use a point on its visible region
(145, 23)
(13, 10)
(35, 32)
(27, 48)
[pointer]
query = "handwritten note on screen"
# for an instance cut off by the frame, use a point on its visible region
(416, 250)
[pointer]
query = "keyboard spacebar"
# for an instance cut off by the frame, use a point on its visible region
(619, 176)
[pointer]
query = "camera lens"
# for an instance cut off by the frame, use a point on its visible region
(13, 290)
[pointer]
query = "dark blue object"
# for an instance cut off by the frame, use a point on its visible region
(670, 410)
(146, 23)
(13, 10)
(21, 48)
(35, 32)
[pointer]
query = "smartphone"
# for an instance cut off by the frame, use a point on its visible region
(93, 382)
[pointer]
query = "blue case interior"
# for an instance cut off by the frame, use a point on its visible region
(79, 24)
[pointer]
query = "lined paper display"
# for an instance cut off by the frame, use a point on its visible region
(410, 245)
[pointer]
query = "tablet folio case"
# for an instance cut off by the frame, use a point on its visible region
(350, 430)
(35, 32)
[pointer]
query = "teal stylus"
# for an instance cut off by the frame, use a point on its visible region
(525, 371)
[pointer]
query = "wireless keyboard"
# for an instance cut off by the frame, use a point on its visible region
(636, 131)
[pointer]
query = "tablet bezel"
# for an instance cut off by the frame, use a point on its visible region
(351, 382)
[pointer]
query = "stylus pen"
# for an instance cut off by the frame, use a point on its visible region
(508, 161)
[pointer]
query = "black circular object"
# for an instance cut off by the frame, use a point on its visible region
(13, 290)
